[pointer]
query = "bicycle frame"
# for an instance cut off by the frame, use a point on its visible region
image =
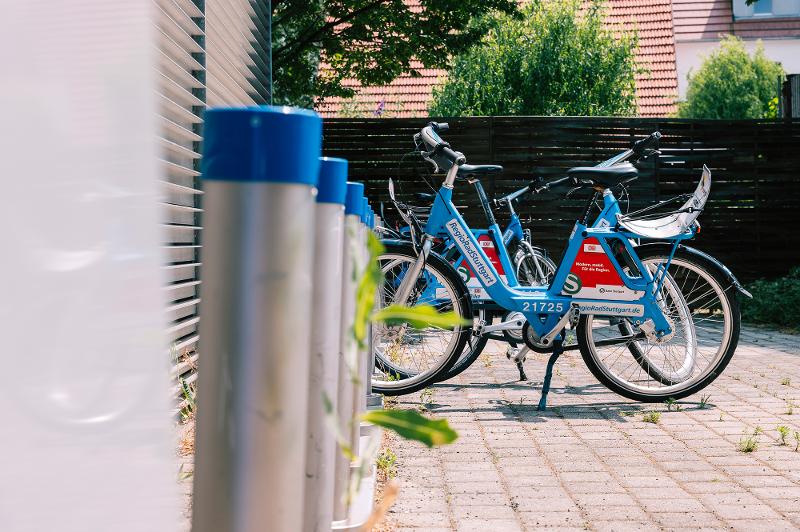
(513, 233)
(547, 309)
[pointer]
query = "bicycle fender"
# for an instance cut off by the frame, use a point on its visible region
(706, 257)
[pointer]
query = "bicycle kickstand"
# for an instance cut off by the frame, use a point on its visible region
(558, 348)
(518, 355)
(522, 375)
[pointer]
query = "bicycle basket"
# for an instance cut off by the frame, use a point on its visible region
(659, 225)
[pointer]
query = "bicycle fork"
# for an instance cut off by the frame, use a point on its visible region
(410, 279)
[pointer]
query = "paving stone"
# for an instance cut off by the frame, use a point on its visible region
(590, 462)
(546, 518)
(625, 526)
(484, 525)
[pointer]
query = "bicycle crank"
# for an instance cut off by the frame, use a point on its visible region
(544, 344)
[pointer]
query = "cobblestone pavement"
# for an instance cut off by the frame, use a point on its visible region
(591, 462)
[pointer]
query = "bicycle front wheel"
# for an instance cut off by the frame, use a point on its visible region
(628, 363)
(407, 359)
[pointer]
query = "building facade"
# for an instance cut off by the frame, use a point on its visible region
(699, 25)
(674, 37)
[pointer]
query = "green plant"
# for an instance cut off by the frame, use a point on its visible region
(559, 58)
(796, 440)
(775, 301)
(410, 425)
(387, 463)
(786, 381)
(651, 417)
(672, 404)
(370, 41)
(425, 399)
(189, 403)
(783, 432)
(390, 401)
(749, 442)
(789, 409)
(704, 401)
(732, 84)
(486, 360)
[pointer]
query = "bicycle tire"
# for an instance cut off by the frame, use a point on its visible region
(476, 347)
(730, 293)
(461, 302)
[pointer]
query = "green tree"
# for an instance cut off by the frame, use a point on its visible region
(372, 41)
(558, 58)
(732, 84)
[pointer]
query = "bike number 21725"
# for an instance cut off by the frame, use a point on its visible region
(542, 306)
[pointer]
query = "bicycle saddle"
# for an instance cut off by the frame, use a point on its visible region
(470, 170)
(606, 176)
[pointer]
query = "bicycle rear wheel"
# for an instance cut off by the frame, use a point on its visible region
(640, 369)
(406, 359)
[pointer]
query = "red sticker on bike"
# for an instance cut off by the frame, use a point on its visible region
(593, 276)
(468, 275)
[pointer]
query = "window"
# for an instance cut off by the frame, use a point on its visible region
(766, 9)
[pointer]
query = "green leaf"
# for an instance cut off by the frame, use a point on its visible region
(413, 426)
(365, 296)
(419, 317)
(334, 425)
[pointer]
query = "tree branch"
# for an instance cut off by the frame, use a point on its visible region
(312, 36)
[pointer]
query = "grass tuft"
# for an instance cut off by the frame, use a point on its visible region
(783, 432)
(748, 443)
(651, 417)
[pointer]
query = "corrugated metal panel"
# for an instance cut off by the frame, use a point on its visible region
(181, 88)
(237, 40)
(210, 52)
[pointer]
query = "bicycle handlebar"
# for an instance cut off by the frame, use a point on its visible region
(439, 148)
(640, 146)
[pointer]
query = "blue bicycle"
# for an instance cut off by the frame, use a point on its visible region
(643, 327)
(532, 267)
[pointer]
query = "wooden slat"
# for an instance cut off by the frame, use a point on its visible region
(755, 188)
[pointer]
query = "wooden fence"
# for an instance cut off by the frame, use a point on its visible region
(755, 193)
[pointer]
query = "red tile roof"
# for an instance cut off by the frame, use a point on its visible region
(656, 90)
(404, 97)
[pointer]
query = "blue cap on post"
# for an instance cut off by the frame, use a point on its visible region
(352, 202)
(262, 144)
(332, 186)
(365, 210)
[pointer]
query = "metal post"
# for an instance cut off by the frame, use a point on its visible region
(325, 340)
(363, 354)
(260, 166)
(348, 364)
(374, 400)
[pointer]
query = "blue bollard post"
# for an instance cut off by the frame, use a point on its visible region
(364, 354)
(260, 166)
(325, 341)
(348, 366)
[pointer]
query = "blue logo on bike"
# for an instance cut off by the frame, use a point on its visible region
(470, 253)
